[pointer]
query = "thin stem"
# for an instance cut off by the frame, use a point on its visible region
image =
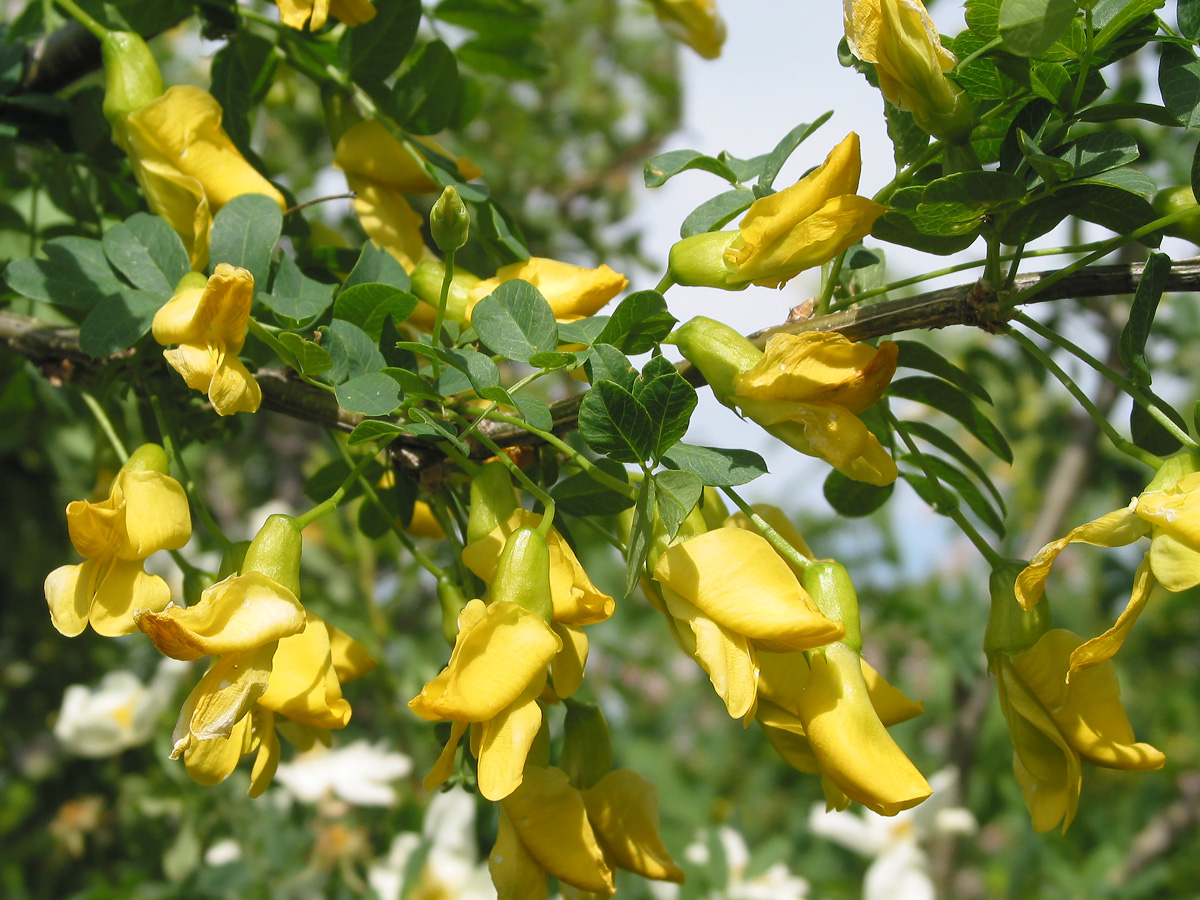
(84, 19)
(261, 332)
(184, 566)
(325, 507)
(1126, 447)
(993, 557)
(827, 289)
(189, 485)
(986, 48)
(594, 472)
(902, 178)
(665, 284)
(106, 425)
(777, 540)
(1086, 62)
(447, 278)
(1133, 390)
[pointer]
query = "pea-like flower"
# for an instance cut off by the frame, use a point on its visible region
(146, 511)
(784, 233)
(208, 320)
(694, 22)
(573, 292)
(900, 39)
(497, 670)
(1168, 512)
(296, 13)
(1055, 724)
(186, 165)
(805, 389)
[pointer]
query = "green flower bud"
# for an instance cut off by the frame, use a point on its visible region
(452, 600)
(587, 749)
(699, 260)
(493, 500)
(275, 551)
(718, 351)
(426, 281)
(523, 573)
(1010, 629)
(829, 584)
(132, 78)
(148, 458)
(449, 221)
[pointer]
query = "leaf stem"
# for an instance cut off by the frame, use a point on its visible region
(830, 285)
(84, 19)
(105, 424)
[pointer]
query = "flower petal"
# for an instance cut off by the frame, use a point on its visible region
(1098, 649)
(568, 665)
(233, 389)
(211, 761)
(444, 767)
(505, 741)
(69, 596)
(785, 732)
(515, 873)
(156, 512)
(350, 658)
(222, 697)
(389, 221)
(573, 292)
(304, 686)
(123, 588)
(623, 810)
(725, 655)
(266, 761)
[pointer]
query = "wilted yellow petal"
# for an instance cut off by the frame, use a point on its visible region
(623, 810)
(1098, 649)
(1174, 514)
(505, 740)
(222, 698)
(549, 818)
(266, 761)
(350, 658)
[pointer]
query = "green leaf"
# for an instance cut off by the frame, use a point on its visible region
(953, 479)
(372, 430)
(136, 261)
(582, 331)
(503, 18)
(662, 168)
(496, 227)
(516, 321)
(899, 227)
(854, 498)
(242, 73)
(607, 363)
(395, 505)
(945, 397)
(934, 437)
(1099, 152)
(983, 18)
(372, 394)
(979, 189)
(426, 93)
(1050, 168)
(353, 351)
(377, 266)
(1030, 27)
(553, 360)
(716, 212)
(519, 59)
(581, 495)
(784, 149)
(1189, 19)
(914, 355)
(535, 412)
(437, 428)
(639, 533)
(940, 501)
(374, 52)
(668, 399)
(311, 358)
(1117, 210)
(1150, 434)
(244, 233)
(118, 321)
(322, 484)
(1150, 287)
(614, 423)
(638, 324)
(294, 295)
(677, 493)
(716, 465)
(1179, 82)
(369, 305)
(75, 274)
(1114, 112)
(1128, 13)
(1127, 179)
(909, 139)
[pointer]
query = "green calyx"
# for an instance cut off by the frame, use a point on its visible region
(132, 77)
(699, 261)
(275, 551)
(523, 573)
(587, 748)
(148, 458)
(829, 584)
(493, 500)
(1010, 629)
(449, 221)
(718, 351)
(1173, 469)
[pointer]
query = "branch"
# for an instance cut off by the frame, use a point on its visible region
(55, 350)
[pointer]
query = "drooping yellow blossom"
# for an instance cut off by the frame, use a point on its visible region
(622, 808)
(381, 170)
(146, 511)
(1168, 511)
(900, 39)
(805, 389)
(828, 715)
(783, 234)
(694, 22)
(295, 13)
(186, 165)
(497, 670)
(209, 324)
(730, 596)
(573, 292)
(545, 828)
(1054, 724)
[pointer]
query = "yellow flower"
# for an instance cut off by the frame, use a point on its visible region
(381, 170)
(146, 511)
(805, 389)
(187, 166)
(695, 22)
(730, 595)
(622, 808)
(295, 13)
(828, 715)
(784, 233)
(1168, 511)
(544, 828)
(573, 292)
(901, 40)
(209, 325)
(1054, 724)
(497, 670)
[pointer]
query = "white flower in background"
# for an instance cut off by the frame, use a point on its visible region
(900, 870)
(452, 868)
(358, 774)
(223, 852)
(118, 713)
(776, 883)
